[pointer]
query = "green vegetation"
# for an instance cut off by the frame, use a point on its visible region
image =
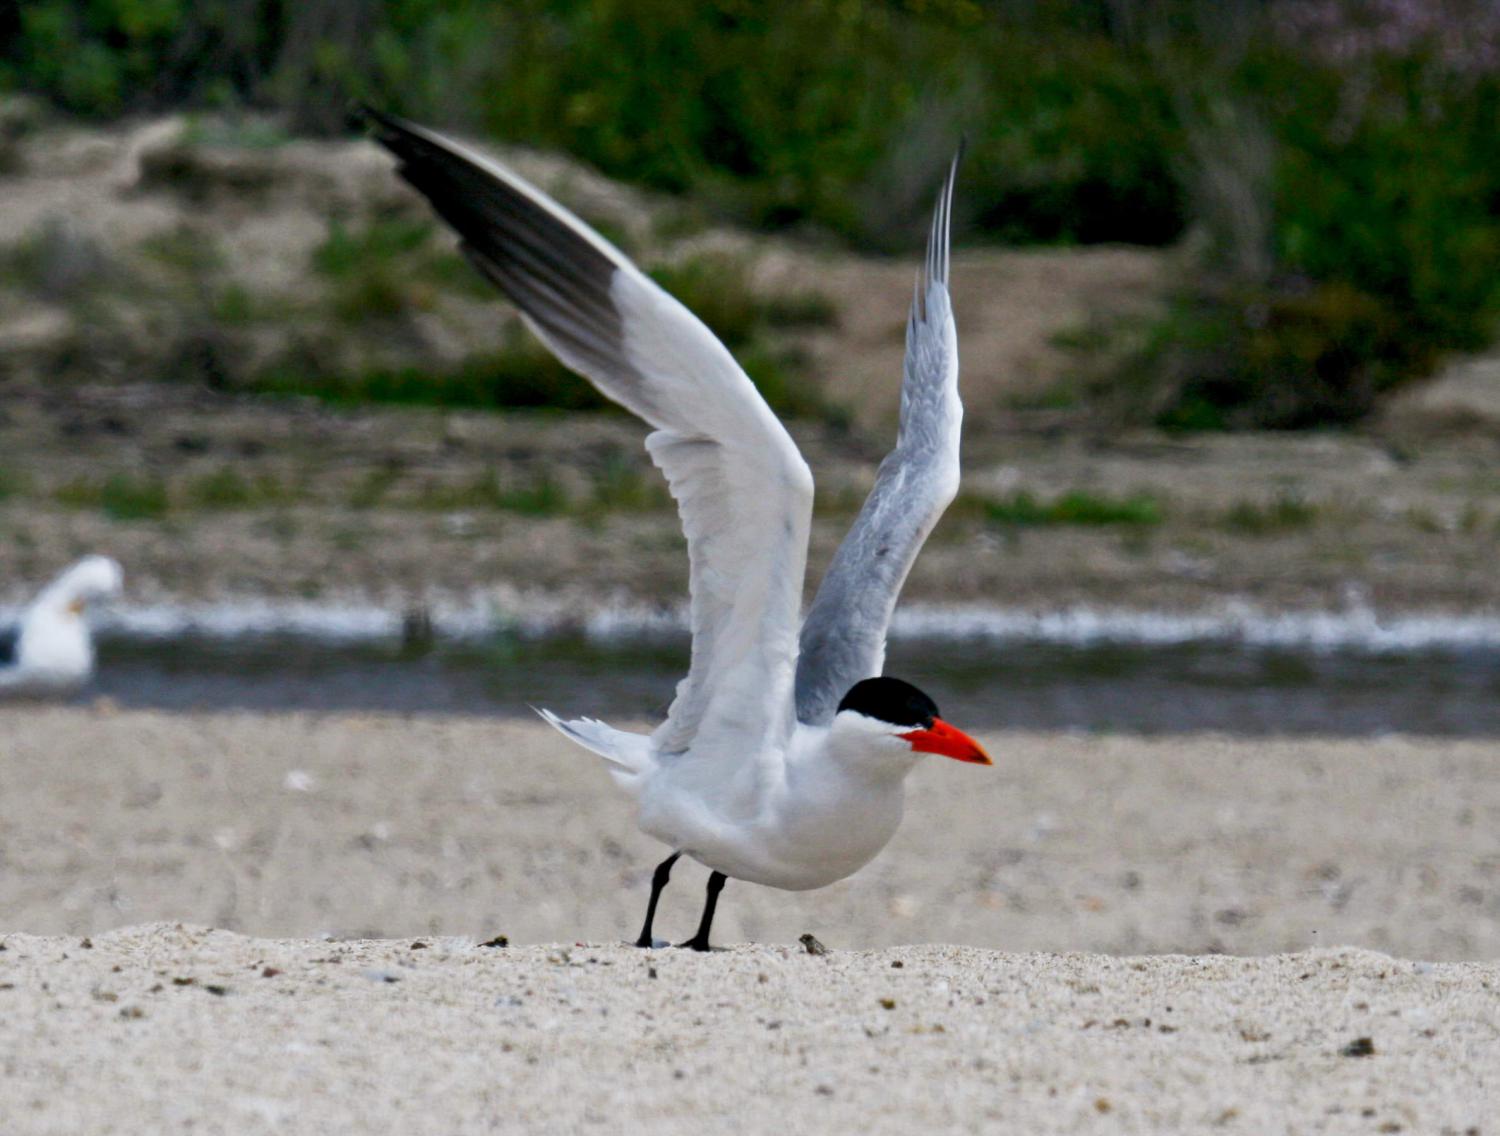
(222, 489)
(244, 133)
(1336, 160)
(1425, 520)
(388, 268)
(124, 497)
(717, 288)
(374, 486)
(622, 486)
(619, 486)
(521, 375)
(541, 496)
(194, 278)
(56, 262)
(227, 488)
(1283, 514)
(119, 496)
(794, 113)
(377, 246)
(234, 305)
(1075, 507)
(10, 483)
(185, 251)
(1347, 210)
(805, 307)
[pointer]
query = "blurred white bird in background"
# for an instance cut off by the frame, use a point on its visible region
(54, 650)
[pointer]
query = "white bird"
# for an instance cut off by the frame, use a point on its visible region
(54, 651)
(783, 756)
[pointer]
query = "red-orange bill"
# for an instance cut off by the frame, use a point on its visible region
(949, 741)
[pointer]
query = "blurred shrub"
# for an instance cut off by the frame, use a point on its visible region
(620, 486)
(345, 253)
(58, 261)
(539, 496)
(542, 497)
(716, 288)
(227, 488)
(1382, 232)
(107, 57)
(843, 113)
(523, 374)
(836, 112)
(1282, 356)
(370, 270)
(390, 268)
(10, 483)
(119, 496)
(1336, 157)
(1075, 507)
(1286, 512)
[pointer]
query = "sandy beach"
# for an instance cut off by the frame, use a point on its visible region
(299, 825)
(167, 1028)
(1066, 927)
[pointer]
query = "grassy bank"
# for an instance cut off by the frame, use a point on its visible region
(1331, 164)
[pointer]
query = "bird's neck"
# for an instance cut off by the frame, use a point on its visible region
(872, 758)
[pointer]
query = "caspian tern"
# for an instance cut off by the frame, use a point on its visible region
(783, 757)
(54, 651)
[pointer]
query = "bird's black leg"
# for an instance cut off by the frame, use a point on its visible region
(699, 942)
(659, 880)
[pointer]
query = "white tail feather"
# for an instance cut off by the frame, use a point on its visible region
(629, 755)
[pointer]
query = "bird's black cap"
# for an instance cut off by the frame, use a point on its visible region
(891, 700)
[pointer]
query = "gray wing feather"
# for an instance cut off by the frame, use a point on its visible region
(843, 637)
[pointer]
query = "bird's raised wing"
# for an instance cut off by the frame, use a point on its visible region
(843, 638)
(742, 489)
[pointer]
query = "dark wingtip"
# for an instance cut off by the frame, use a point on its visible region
(383, 127)
(361, 116)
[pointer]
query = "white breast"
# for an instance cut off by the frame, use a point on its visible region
(821, 820)
(54, 652)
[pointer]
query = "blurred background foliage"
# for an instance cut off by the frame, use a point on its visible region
(1328, 168)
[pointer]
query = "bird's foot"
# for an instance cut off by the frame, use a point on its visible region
(696, 943)
(647, 944)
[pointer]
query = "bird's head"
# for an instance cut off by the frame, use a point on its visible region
(896, 714)
(91, 579)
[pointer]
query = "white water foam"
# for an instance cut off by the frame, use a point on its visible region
(1356, 628)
